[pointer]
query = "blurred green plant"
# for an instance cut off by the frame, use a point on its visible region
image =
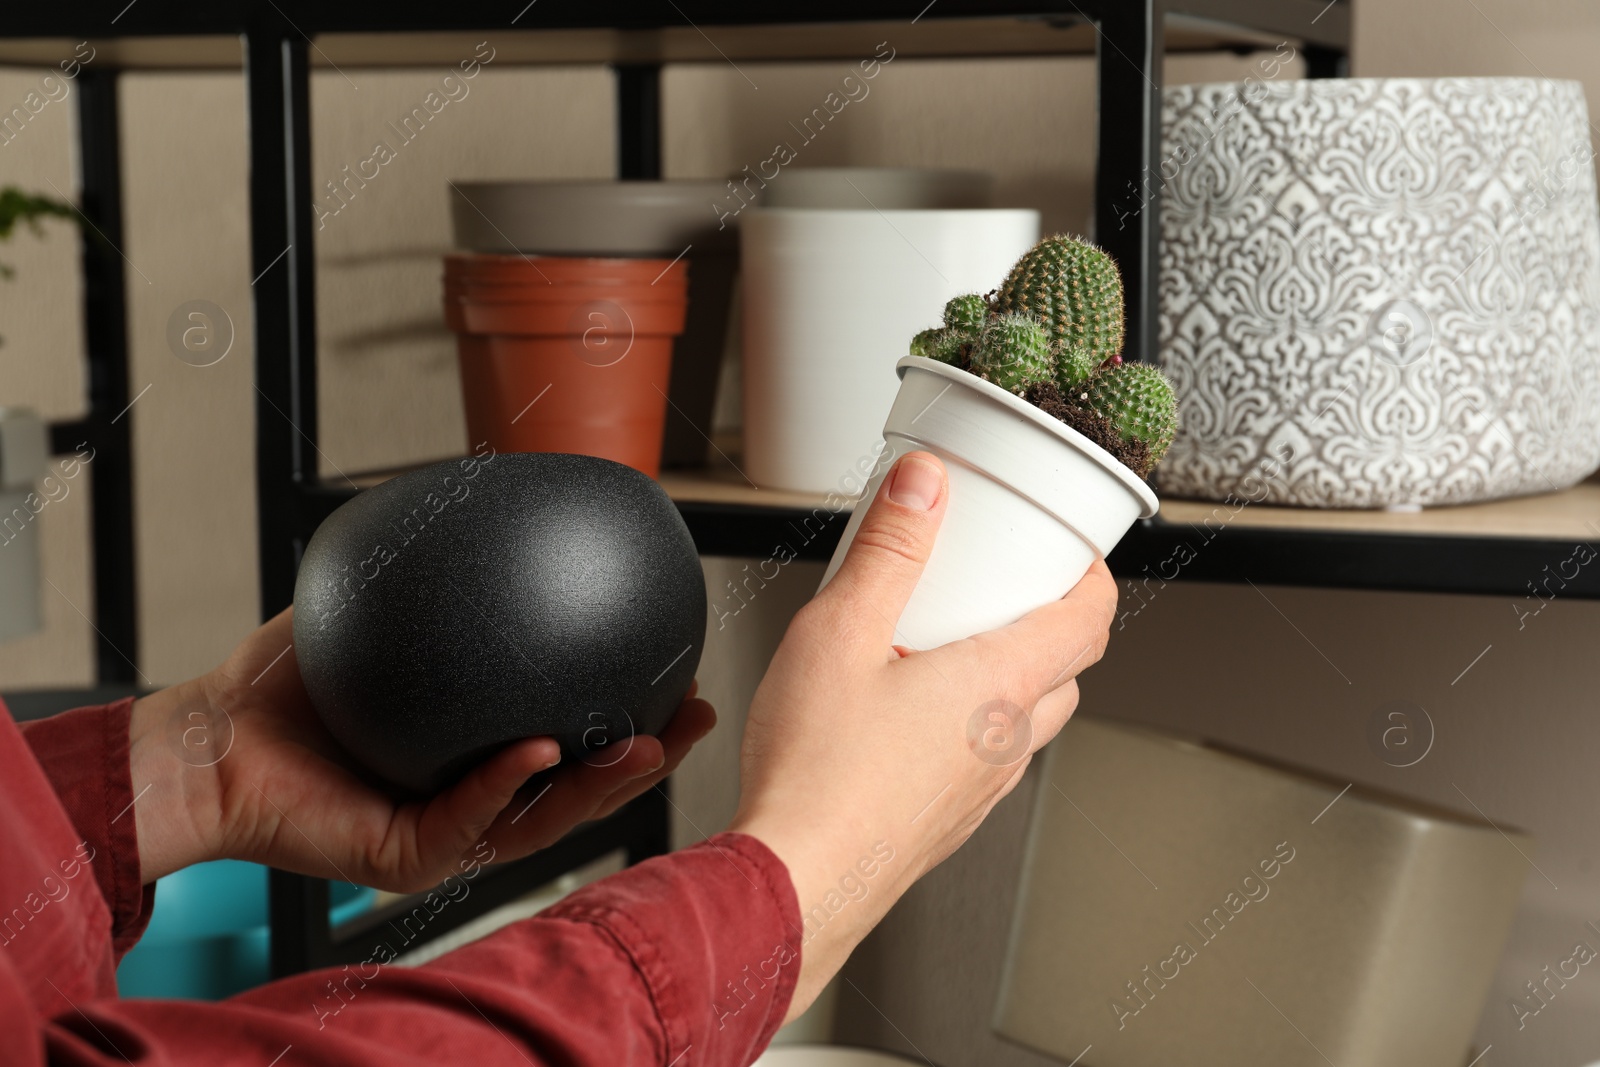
(17, 206)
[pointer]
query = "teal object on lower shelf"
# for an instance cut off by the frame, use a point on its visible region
(208, 937)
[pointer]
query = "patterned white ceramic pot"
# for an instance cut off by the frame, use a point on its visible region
(1394, 281)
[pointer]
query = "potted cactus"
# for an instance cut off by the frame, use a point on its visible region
(1046, 433)
(1052, 334)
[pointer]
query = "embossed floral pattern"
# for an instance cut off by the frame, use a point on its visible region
(1397, 279)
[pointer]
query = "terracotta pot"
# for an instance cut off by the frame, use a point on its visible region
(629, 219)
(566, 354)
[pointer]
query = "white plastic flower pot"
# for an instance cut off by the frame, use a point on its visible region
(1032, 503)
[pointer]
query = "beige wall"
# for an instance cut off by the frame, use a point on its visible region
(1517, 734)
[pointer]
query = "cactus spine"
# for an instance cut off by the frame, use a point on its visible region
(944, 345)
(1139, 402)
(1074, 366)
(926, 343)
(966, 313)
(1012, 351)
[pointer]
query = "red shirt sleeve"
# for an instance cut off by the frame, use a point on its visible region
(84, 754)
(687, 959)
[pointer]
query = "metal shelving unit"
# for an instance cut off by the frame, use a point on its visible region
(273, 40)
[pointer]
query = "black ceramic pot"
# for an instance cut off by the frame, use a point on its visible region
(456, 608)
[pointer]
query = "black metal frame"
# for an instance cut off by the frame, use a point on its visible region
(103, 427)
(288, 491)
(638, 120)
(291, 499)
(1130, 54)
(1335, 559)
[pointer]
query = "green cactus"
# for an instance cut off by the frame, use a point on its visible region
(1074, 364)
(924, 343)
(1075, 290)
(964, 317)
(1138, 401)
(966, 313)
(1052, 334)
(955, 348)
(1012, 351)
(946, 346)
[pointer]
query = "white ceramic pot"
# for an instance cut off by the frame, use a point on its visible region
(1395, 280)
(883, 188)
(830, 299)
(1032, 503)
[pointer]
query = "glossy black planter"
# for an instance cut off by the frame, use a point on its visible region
(456, 608)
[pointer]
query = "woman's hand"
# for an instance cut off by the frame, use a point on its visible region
(238, 766)
(864, 764)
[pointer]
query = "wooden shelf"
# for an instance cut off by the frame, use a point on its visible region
(1497, 547)
(200, 52)
(1571, 514)
(209, 39)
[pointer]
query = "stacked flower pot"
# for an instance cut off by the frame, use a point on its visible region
(566, 354)
(590, 315)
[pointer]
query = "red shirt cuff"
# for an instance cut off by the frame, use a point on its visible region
(84, 753)
(714, 933)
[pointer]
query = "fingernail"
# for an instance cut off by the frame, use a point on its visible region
(915, 484)
(552, 763)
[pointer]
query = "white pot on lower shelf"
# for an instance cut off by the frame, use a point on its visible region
(1032, 503)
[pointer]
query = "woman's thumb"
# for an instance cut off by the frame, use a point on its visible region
(894, 540)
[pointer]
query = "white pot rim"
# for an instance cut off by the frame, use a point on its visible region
(1149, 504)
(1313, 86)
(542, 185)
(918, 171)
(891, 212)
